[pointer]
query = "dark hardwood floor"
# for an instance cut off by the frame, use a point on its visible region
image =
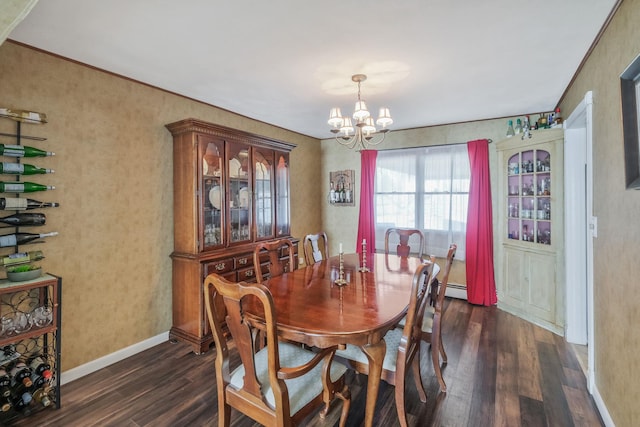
(502, 371)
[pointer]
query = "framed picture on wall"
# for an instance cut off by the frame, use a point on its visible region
(342, 188)
(630, 94)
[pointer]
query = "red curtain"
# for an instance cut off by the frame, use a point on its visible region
(366, 221)
(481, 285)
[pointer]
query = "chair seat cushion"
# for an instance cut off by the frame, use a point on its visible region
(302, 390)
(391, 338)
(427, 321)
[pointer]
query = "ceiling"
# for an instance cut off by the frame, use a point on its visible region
(286, 62)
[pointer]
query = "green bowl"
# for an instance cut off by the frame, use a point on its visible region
(21, 276)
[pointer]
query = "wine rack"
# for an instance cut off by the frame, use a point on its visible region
(30, 309)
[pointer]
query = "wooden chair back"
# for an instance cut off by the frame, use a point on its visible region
(409, 238)
(432, 321)
(251, 397)
(315, 247)
(274, 250)
(403, 345)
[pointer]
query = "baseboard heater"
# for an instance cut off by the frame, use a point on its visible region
(456, 290)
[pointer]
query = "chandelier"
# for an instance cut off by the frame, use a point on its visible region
(364, 133)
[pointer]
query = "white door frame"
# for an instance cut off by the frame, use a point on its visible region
(580, 229)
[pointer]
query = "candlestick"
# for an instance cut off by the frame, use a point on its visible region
(364, 268)
(340, 281)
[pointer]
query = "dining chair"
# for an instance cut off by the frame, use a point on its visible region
(278, 385)
(432, 320)
(315, 247)
(407, 240)
(402, 346)
(276, 266)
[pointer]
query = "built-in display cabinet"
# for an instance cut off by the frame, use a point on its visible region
(230, 191)
(529, 260)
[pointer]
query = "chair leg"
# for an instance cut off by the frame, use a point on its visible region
(399, 394)
(442, 352)
(415, 364)
(345, 396)
(224, 414)
(436, 349)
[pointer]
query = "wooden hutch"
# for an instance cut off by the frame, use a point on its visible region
(230, 191)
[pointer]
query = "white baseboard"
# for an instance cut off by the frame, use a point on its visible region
(109, 359)
(456, 290)
(602, 408)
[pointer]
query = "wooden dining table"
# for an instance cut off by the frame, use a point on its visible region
(312, 309)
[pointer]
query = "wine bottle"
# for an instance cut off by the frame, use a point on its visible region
(5, 404)
(25, 219)
(5, 383)
(21, 398)
(22, 258)
(23, 115)
(18, 204)
(40, 396)
(21, 374)
(23, 187)
(22, 238)
(22, 169)
(40, 367)
(11, 150)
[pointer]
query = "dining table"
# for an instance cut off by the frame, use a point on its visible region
(314, 307)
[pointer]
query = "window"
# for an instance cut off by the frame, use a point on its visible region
(425, 188)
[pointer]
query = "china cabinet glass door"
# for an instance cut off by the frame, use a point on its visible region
(263, 176)
(239, 193)
(282, 194)
(529, 197)
(212, 191)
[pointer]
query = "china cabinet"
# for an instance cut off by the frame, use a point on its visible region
(529, 262)
(230, 191)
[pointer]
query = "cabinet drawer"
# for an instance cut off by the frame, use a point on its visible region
(219, 267)
(284, 251)
(247, 274)
(244, 261)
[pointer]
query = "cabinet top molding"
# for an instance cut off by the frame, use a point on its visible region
(200, 126)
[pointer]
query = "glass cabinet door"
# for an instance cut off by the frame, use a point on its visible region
(212, 185)
(239, 193)
(529, 197)
(264, 200)
(282, 195)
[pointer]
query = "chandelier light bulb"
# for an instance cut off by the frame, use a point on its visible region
(346, 127)
(368, 127)
(384, 118)
(360, 112)
(335, 117)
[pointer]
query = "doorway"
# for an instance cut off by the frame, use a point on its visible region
(580, 229)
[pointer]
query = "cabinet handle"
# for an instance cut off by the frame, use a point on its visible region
(242, 261)
(249, 273)
(220, 266)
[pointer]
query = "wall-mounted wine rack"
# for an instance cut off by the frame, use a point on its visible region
(30, 309)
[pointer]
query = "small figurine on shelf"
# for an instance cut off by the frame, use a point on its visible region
(510, 130)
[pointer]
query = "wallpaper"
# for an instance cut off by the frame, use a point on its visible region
(616, 268)
(113, 181)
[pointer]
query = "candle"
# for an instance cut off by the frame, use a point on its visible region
(340, 248)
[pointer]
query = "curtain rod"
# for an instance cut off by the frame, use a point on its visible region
(434, 145)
